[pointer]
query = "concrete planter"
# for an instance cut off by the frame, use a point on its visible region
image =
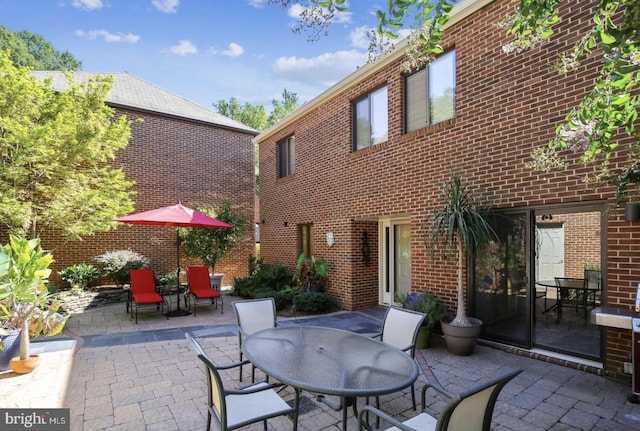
(461, 340)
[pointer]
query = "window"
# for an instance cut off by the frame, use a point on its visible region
(371, 120)
(305, 237)
(430, 93)
(286, 157)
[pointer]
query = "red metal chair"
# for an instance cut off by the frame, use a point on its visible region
(200, 288)
(143, 290)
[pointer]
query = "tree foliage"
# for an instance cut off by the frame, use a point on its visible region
(31, 50)
(250, 115)
(55, 149)
(595, 127)
(256, 115)
(211, 245)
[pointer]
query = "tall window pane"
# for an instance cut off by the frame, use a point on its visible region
(363, 128)
(416, 101)
(442, 88)
(305, 235)
(371, 122)
(286, 157)
(379, 117)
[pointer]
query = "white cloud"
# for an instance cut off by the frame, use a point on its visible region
(108, 36)
(184, 47)
(325, 69)
(257, 3)
(166, 6)
(87, 4)
(234, 50)
(359, 37)
(296, 11)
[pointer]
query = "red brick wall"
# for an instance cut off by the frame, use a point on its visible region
(507, 105)
(174, 160)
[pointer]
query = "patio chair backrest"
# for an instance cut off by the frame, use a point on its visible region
(142, 281)
(472, 410)
(400, 328)
(592, 276)
(255, 315)
(198, 278)
(214, 382)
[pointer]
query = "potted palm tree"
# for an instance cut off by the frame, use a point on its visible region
(25, 302)
(455, 229)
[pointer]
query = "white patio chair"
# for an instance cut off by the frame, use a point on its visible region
(400, 329)
(252, 316)
(235, 408)
(471, 410)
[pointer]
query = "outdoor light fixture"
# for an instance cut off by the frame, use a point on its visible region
(330, 239)
(632, 211)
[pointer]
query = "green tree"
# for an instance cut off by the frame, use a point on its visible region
(283, 108)
(34, 51)
(256, 115)
(55, 149)
(211, 245)
(595, 127)
(250, 115)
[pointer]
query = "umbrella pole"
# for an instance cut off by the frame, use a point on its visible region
(178, 270)
(178, 311)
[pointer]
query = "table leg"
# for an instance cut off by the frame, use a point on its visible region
(345, 402)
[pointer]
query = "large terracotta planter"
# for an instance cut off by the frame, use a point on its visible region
(461, 340)
(11, 348)
(24, 366)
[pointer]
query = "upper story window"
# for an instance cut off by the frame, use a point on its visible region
(371, 125)
(286, 157)
(430, 93)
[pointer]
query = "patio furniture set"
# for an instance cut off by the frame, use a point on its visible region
(330, 363)
(145, 292)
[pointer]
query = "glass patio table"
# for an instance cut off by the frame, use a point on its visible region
(330, 361)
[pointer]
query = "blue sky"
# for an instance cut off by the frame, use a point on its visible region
(202, 50)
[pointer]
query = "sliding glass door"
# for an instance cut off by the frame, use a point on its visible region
(515, 280)
(500, 282)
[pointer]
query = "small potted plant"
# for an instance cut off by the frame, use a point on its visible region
(25, 302)
(429, 304)
(311, 274)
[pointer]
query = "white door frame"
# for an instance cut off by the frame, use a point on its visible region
(386, 265)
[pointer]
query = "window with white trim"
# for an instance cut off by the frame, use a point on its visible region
(371, 124)
(430, 93)
(286, 157)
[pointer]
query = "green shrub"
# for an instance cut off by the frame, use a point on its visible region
(263, 277)
(80, 276)
(117, 264)
(312, 302)
(282, 298)
(427, 303)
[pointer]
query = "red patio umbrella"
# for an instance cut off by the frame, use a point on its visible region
(180, 216)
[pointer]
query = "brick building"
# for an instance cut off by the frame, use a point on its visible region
(180, 151)
(352, 175)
